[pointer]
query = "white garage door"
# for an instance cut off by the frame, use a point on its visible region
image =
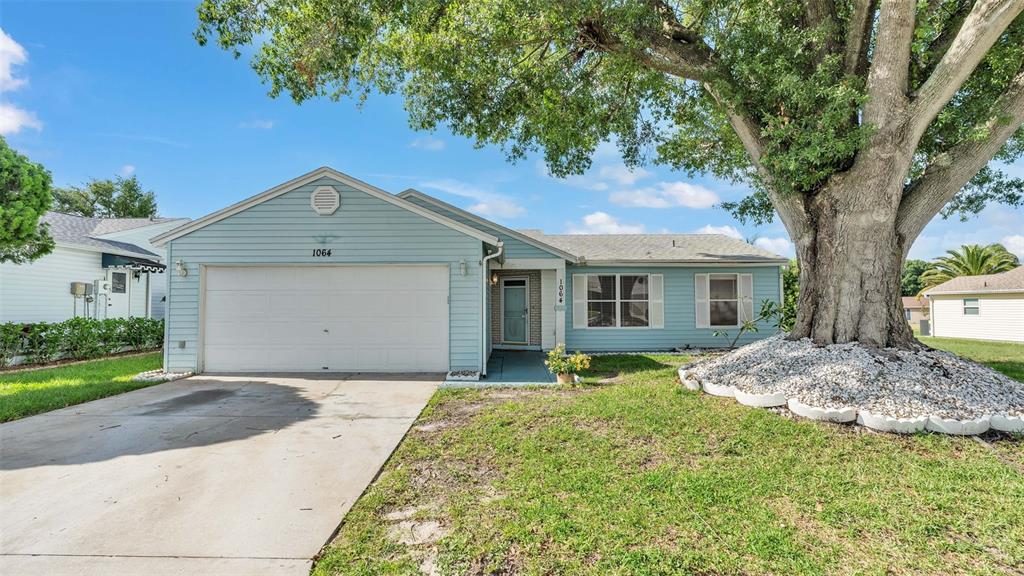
(326, 318)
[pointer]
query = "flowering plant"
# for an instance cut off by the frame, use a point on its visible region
(559, 362)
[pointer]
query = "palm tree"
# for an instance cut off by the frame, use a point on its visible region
(971, 260)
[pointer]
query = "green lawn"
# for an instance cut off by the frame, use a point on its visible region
(1005, 357)
(637, 476)
(26, 393)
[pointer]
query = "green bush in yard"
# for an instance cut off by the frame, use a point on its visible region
(77, 338)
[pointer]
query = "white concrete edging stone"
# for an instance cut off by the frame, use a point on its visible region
(958, 427)
(885, 423)
(840, 415)
(760, 400)
(719, 390)
(1006, 423)
(690, 382)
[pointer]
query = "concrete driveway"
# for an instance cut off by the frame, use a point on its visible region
(209, 475)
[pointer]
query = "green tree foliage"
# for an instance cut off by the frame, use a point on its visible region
(657, 77)
(118, 198)
(910, 281)
(24, 197)
(970, 260)
(854, 122)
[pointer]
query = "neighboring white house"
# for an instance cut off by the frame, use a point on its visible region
(112, 258)
(987, 307)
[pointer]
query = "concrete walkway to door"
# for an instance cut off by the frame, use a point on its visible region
(210, 475)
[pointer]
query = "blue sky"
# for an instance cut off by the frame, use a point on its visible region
(97, 89)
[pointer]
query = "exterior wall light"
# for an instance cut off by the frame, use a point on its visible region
(462, 267)
(179, 265)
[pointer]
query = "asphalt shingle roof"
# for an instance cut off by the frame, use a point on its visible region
(1002, 282)
(696, 248)
(84, 231)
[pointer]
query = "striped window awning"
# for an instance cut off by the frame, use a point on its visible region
(132, 263)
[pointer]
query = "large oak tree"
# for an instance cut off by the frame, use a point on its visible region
(855, 121)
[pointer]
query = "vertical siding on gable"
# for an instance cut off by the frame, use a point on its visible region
(514, 248)
(680, 323)
(364, 230)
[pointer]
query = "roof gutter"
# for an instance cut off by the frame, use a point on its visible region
(483, 304)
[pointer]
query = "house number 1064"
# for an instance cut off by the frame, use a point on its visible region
(321, 252)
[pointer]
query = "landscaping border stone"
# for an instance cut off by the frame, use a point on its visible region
(884, 423)
(958, 427)
(838, 415)
(1006, 423)
(688, 380)
(719, 390)
(760, 400)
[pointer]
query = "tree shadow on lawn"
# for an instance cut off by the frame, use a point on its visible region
(615, 366)
(172, 416)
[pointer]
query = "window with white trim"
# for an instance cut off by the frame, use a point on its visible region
(723, 300)
(618, 301)
(971, 307)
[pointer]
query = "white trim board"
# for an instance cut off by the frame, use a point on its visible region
(484, 222)
(307, 178)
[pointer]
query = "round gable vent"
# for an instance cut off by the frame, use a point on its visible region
(325, 200)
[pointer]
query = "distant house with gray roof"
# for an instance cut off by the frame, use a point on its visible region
(985, 307)
(117, 271)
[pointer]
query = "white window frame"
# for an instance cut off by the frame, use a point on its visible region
(739, 312)
(976, 306)
(618, 302)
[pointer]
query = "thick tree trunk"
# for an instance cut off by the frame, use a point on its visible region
(850, 264)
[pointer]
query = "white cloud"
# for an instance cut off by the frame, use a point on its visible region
(622, 174)
(666, 195)
(488, 203)
(604, 223)
(257, 124)
(127, 170)
(11, 54)
(427, 143)
(727, 230)
(776, 245)
(14, 119)
(1015, 244)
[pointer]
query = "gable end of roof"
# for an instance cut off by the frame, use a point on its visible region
(307, 178)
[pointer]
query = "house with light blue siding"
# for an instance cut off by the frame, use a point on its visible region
(326, 273)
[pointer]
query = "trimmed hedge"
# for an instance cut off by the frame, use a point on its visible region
(77, 338)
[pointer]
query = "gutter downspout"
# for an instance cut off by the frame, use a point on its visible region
(483, 305)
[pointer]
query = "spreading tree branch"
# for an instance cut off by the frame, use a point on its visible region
(858, 37)
(940, 45)
(951, 170)
(980, 30)
(887, 78)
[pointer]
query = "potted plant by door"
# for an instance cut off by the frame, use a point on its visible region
(565, 367)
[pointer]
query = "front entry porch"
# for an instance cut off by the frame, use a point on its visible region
(517, 368)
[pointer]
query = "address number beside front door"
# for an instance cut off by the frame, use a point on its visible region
(321, 252)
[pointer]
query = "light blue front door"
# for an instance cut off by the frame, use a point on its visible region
(514, 311)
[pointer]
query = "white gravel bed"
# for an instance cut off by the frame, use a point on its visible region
(159, 375)
(886, 382)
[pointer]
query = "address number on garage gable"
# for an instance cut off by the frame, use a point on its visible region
(321, 252)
